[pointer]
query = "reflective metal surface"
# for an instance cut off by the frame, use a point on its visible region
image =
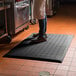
(4, 34)
(19, 15)
(3, 24)
(21, 12)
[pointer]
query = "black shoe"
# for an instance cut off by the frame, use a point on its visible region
(36, 35)
(39, 39)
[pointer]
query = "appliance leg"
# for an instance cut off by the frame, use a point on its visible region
(33, 21)
(6, 40)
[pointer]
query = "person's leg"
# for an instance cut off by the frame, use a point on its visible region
(42, 27)
(45, 24)
(41, 36)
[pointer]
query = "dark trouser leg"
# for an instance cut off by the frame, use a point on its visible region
(42, 31)
(42, 26)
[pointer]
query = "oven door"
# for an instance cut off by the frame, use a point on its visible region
(21, 14)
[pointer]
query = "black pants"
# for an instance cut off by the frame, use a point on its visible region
(42, 26)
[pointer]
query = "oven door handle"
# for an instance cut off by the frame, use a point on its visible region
(22, 6)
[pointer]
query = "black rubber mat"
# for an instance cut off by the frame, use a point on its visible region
(54, 49)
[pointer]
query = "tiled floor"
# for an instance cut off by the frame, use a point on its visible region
(64, 22)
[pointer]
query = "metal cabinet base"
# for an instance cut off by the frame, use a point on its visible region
(18, 16)
(4, 36)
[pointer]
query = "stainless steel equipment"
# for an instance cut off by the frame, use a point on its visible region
(18, 15)
(51, 7)
(3, 22)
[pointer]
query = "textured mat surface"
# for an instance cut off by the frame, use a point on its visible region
(54, 49)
